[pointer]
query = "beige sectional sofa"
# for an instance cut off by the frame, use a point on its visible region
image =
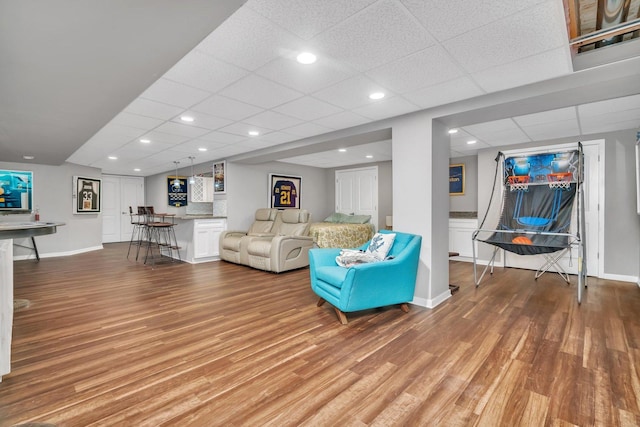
(278, 240)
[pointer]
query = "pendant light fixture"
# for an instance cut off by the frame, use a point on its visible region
(176, 182)
(192, 178)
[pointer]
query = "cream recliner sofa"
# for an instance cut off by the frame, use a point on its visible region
(280, 246)
(233, 244)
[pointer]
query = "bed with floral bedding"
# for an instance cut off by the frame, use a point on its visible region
(342, 231)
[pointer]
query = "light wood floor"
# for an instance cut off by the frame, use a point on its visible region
(111, 342)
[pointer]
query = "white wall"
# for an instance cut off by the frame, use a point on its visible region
(248, 190)
(52, 191)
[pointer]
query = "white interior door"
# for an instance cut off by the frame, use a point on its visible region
(131, 194)
(357, 192)
(118, 193)
(110, 209)
(592, 193)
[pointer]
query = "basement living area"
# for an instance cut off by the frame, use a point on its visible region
(367, 109)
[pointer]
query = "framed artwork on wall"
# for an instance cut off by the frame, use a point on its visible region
(86, 195)
(456, 180)
(219, 177)
(16, 191)
(284, 191)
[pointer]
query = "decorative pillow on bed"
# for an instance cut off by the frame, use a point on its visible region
(381, 245)
(335, 217)
(356, 219)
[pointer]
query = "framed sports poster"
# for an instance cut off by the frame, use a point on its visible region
(284, 191)
(177, 190)
(456, 180)
(86, 195)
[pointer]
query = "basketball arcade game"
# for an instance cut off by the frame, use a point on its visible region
(542, 211)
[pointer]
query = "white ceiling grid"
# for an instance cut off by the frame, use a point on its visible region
(420, 53)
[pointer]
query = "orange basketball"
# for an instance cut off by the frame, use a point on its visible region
(522, 240)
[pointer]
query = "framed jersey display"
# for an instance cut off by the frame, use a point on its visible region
(284, 191)
(86, 195)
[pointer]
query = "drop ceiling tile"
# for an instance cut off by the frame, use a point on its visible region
(227, 108)
(604, 107)
(388, 107)
(202, 71)
(481, 130)
(272, 120)
(341, 120)
(370, 38)
(256, 90)
(308, 108)
(172, 93)
(469, 149)
(136, 121)
(444, 93)
(535, 68)
(202, 120)
(612, 116)
(242, 129)
(149, 108)
(540, 29)
(278, 137)
(447, 19)
(181, 130)
(167, 138)
(222, 137)
(306, 78)
(558, 115)
(307, 129)
(460, 139)
(146, 149)
(351, 93)
(249, 40)
(120, 132)
(594, 127)
(307, 18)
(195, 144)
(503, 137)
(550, 130)
(425, 68)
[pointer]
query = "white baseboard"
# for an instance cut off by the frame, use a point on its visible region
(57, 254)
(432, 302)
(621, 278)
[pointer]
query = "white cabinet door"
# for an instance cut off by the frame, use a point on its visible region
(206, 234)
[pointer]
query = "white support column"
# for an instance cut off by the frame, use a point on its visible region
(421, 200)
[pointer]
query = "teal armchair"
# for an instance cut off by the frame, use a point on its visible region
(365, 286)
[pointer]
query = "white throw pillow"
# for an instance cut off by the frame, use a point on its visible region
(380, 245)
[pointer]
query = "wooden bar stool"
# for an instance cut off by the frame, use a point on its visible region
(137, 234)
(160, 235)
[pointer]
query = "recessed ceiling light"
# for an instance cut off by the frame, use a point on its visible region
(136, 170)
(306, 58)
(376, 95)
(187, 119)
(113, 158)
(472, 141)
(452, 131)
(369, 156)
(254, 133)
(28, 157)
(342, 150)
(202, 149)
(145, 141)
